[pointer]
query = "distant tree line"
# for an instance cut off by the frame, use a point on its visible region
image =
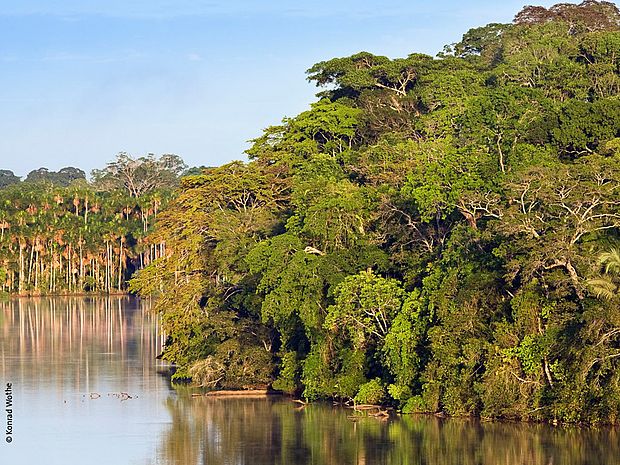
(62, 177)
(60, 233)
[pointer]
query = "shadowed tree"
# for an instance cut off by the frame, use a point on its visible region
(7, 178)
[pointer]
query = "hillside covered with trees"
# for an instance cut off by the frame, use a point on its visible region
(60, 233)
(439, 234)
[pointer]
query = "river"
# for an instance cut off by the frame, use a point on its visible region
(86, 388)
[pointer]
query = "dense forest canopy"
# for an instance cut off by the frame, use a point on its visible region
(60, 233)
(439, 233)
(62, 177)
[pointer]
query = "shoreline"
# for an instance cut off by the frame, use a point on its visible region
(69, 294)
(381, 411)
(386, 412)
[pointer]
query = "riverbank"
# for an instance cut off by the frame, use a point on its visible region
(65, 294)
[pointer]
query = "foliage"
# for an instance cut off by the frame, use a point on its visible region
(7, 178)
(139, 176)
(288, 379)
(435, 234)
(605, 286)
(590, 14)
(372, 392)
(59, 234)
(63, 177)
(364, 308)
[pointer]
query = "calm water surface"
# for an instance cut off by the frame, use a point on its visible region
(70, 360)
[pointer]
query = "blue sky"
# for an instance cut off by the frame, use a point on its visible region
(83, 80)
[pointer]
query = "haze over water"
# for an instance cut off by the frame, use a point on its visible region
(70, 360)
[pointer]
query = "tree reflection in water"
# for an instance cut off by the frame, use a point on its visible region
(60, 348)
(208, 431)
(71, 343)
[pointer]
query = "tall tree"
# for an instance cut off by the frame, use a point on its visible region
(140, 175)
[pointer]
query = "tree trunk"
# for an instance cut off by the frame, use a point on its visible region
(120, 264)
(21, 269)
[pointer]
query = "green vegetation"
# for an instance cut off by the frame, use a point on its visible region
(438, 234)
(59, 233)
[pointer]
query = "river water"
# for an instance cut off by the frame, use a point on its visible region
(86, 388)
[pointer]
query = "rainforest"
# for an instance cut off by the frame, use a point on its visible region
(61, 234)
(436, 234)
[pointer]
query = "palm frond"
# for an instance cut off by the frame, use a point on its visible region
(610, 260)
(602, 288)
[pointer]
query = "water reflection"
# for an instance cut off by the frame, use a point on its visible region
(235, 431)
(68, 340)
(68, 360)
(57, 351)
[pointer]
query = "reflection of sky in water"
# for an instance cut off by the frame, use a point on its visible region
(56, 352)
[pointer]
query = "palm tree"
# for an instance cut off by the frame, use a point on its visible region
(605, 285)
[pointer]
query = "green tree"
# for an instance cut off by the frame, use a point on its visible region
(7, 178)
